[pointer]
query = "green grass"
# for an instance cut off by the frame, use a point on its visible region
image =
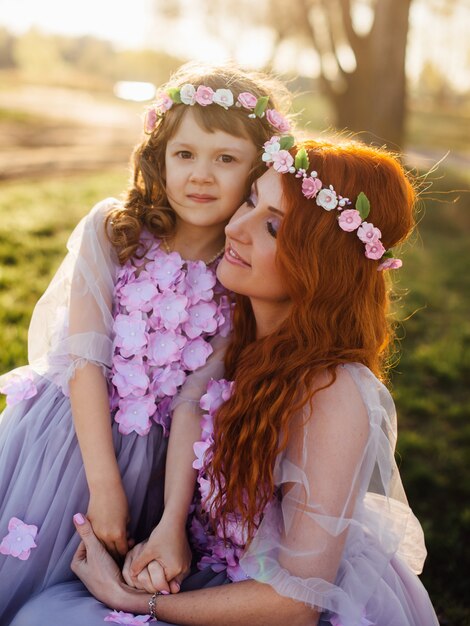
(430, 383)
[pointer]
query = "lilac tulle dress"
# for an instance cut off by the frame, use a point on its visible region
(338, 534)
(146, 325)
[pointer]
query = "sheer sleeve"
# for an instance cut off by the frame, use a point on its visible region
(341, 514)
(72, 322)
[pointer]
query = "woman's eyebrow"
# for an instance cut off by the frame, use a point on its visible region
(270, 208)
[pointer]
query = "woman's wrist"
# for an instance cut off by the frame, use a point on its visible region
(131, 600)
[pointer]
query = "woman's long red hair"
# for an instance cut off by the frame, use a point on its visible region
(339, 315)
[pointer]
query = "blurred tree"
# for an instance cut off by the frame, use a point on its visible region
(6, 49)
(35, 52)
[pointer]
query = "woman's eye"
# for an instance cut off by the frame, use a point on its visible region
(184, 154)
(226, 158)
(272, 226)
(251, 200)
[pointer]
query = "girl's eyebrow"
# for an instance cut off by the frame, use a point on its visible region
(270, 208)
(189, 146)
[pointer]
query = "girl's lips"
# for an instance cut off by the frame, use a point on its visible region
(232, 256)
(200, 197)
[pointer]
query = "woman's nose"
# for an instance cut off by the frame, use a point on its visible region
(238, 227)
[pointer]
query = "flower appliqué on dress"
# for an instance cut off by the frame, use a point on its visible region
(19, 387)
(166, 310)
(20, 539)
(119, 617)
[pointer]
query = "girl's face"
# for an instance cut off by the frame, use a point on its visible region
(206, 173)
(249, 265)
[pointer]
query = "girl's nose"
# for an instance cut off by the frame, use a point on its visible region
(201, 173)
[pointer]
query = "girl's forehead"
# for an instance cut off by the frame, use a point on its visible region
(191, 131)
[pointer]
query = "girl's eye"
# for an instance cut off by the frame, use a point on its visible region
(272, 226)
(184, 154)
(226, 158)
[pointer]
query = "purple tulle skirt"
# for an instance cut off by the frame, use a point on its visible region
(42, 482)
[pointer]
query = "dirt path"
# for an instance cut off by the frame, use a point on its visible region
(49, 130)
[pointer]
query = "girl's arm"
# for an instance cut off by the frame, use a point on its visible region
(108, 508)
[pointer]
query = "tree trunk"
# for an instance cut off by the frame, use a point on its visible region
(374, 99)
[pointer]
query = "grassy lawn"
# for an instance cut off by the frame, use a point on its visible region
(430, 383)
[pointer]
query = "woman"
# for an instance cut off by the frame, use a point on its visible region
(299, 500)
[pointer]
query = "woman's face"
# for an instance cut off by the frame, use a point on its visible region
(249, 265)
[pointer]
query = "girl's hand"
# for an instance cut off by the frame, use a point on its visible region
(162, 562)
(108, 512)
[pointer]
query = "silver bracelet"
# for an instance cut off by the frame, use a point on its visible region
(153, 605)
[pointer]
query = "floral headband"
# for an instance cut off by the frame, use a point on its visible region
(190, 95)
(276, 153)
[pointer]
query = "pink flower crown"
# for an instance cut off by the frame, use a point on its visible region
(190, 95)
(276, 153)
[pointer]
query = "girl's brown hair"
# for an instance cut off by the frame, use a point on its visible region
(146, 205)
(339, 314)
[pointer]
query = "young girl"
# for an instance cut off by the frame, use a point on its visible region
(299, 503)
(133, 309)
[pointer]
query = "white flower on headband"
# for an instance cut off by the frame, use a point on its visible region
(224, 97)
(270, 148)
(327, 198)
(188, 94)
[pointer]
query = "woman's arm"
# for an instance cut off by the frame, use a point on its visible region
(245, 603)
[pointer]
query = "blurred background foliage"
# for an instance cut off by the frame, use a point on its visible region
(65, 140)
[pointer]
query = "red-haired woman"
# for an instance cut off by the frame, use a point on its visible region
(299, 499)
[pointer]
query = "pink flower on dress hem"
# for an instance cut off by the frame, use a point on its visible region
(201, 319)
(129, 376)
(204, 95)
(349, 220)
(282, 161)
(390, 264)
(368, 233)
(278, 121)
(247, 100)
(311, 186)
(170, 309)
(375, 250)
(218, 392)
(199, 282)
(130, 333)
(127, 619)
(164, 347)
(20, 539)
(136, 296)
(200, 450)
(19, 387)
(167, 271)
(167, 380)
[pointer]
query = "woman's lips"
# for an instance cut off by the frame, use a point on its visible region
(233, 257)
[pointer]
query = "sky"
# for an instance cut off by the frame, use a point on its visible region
(127, 24)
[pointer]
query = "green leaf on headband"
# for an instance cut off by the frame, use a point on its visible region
(261, 105)
(388, 254)
(363, 205)
(286, 142)
(301, 160)
(174, 94)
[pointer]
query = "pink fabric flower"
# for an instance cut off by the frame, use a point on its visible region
(277, 120)
(327, 199)
(20, 539)
(247, 100)
(200, 450)
(167, 269)
(218, 392)
(130, 333)
(199, 282)
(368, 233)
(223, 97)
(19, 387)
(311, 186)
(170, 309)
(129, 376)
(150, 120)
(134, 415)
(282, 161)
(349, 220)
(164, 347)
(128, 619)
(375, 250)
(163, 414)
(224, 316)
(162, 103)
(136, 296)
(201, 318)
(390, 264)
(188, 94)
(195, 354)
(204, 95)
(167, 380)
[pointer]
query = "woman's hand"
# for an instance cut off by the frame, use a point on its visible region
(162, 562)
(108, 512)
(94, 566)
